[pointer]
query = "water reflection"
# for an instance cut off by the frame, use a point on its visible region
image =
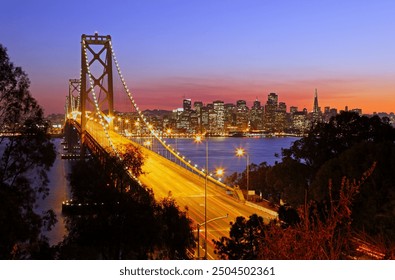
(58, 191)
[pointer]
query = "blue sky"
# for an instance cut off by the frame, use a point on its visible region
(207, 50)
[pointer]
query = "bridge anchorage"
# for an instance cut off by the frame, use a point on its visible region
(92, 117)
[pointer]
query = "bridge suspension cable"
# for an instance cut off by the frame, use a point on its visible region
(102, 121)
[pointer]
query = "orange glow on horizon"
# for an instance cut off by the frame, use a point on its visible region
(370, 95)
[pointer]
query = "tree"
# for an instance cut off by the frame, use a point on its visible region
(326, 141)
(26, 155)
(130, 224)
(244, 241)
(323, 233)
(374, 206)
(288, 180)
(257, 178)
(175, 230)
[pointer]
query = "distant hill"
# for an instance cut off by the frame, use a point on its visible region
(157, 112)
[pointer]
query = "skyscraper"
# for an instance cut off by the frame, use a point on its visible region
(219, 110)
(316, 115)
(241, 114)
(272, 99)
(315, 108)
(256, 116)
(270, 111)
(187, 105)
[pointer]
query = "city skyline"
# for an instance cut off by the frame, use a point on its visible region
(207, 50)
(263, 100)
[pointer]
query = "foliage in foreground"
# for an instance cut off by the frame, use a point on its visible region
(130, 225)
(323, 232)
(346, 146)
(25, 158)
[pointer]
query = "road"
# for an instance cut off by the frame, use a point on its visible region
(166, 179)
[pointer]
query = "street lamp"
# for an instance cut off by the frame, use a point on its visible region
(198, 230)
(219, 172)
(198, 139)
(241, 152)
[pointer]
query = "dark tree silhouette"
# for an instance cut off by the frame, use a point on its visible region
(244, 241)
(129, 225)
(374, 206)
(297, 175)
(26, 154)
(322, 232)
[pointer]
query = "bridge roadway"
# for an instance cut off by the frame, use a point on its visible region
(166, 178)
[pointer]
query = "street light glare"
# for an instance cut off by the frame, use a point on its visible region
(220, 171)
(198, 139)
(240, 152)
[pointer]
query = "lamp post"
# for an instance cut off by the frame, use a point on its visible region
(241, 152)
(206, 222)
(198, 139)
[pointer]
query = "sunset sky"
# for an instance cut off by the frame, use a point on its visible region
(210, 50)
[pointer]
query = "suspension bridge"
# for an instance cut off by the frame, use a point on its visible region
(90, 112)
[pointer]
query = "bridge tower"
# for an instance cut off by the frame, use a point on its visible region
(96, 53)
(73, 100)
(72, 105)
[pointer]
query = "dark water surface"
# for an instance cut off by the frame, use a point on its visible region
(221, 151)
(59, 191)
